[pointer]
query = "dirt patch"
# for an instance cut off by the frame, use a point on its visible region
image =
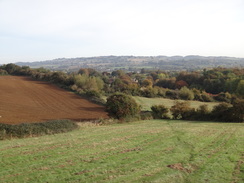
(179, 166)
(82, 172)
(24, 100)
(130, 150)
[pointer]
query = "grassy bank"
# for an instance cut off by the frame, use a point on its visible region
(145, 151)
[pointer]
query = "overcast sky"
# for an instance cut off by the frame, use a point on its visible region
(36, 30)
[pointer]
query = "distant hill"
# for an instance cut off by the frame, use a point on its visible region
(135, 63)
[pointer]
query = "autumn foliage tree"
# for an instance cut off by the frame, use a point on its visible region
(182, 110)
(121, 106)
(186, 93)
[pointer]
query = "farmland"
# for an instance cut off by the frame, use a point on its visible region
(145, 151)
(26, 100)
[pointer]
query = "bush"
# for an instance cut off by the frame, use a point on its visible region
(146, 115)
(92, 93)
(161, 91)
(197, 94)
(121, 106)
(36, 129)
(172, 94)
(203, 109)
(223, 97)
(182, 110)
(186, 94)
(221, 112)
(160, 112)
(149, 92)
(237, 111)
(206, 97)
(3, 72)
(202, 113)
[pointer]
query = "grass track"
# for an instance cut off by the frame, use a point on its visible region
(145, 151)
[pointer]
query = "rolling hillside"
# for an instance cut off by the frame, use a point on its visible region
(135, 63)
(164, 151)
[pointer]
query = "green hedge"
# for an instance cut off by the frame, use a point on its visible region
(36, 129)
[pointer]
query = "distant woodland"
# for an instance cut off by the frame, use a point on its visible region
(136, 63)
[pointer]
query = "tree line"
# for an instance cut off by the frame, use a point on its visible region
(218, 84)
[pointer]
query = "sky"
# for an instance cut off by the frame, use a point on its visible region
(37, 30)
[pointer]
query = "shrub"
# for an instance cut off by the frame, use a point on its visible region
(182, 110)
(93, 93)
(240, 88)
(160, 112)
(221, 112)
(36, 129)
(186, 94)
(3, 72)
(146, 115)
(203, 109)
(223, 97)
(147, 83)
(121, 106)
(202, 113)
(197, 94)
(161, 91)
(149, 92)
(172, 94)
(206, 97)
(237, 111)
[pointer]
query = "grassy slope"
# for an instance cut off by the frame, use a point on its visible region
(146, 103)
(134, 152)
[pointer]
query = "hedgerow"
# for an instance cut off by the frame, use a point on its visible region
(36, 129)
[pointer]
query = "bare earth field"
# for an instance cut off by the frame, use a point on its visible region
(25, 100)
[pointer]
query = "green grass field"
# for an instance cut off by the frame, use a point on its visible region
(145, 151)
(146, 103)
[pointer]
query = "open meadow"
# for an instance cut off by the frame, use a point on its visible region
(25, 100)
(167, 151)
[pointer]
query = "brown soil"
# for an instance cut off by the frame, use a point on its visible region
(24, 100)
(179, 166)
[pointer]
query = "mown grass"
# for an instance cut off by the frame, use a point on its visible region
(146, 103)
(145, 151)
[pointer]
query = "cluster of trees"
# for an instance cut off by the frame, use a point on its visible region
(181, 110)
(208, 85)
(214, 81)
(86, 81)
(121, 106)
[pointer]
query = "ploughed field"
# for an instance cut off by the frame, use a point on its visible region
(23, 100)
